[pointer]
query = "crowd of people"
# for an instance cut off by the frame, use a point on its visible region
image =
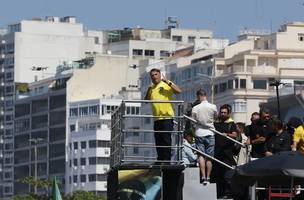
(265, 136)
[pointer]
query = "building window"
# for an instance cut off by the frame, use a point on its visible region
(135, 150)
(137, 52)
(8, 189)
(177, 38)
(301, 37)
(239, 106)
(83, 111)
(243, 83)
(236, 83)
(75, 145)
(191, 39)
(73, 112)
(83, 144)
(96, 40)
(164, 53)
(149, 52)
(260, 84)
(83, 161)
(99, 160)
(72, 127)
(75, 179)
(215, 89)
(94, 110)
(223, 87)
(97, 177)
(98, 143)
(230, 84)
(83, 178)
(75, 162)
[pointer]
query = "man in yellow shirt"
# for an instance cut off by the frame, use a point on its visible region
(298, 139)
(162, 90)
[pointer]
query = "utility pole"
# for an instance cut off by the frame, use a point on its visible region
(277, 83)
(35, 141)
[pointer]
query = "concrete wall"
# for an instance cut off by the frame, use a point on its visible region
(105, 78)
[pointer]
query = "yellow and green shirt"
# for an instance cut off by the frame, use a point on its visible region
(298, 136)
(162, 92)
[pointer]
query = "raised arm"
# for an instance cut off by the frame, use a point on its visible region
(174, 87)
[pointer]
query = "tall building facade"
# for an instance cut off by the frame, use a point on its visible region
(244, 73)
(241, 74)
(30, 51)
(89, 134)
(67, 118)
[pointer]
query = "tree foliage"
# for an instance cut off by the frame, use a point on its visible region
(80, 195)
(46, 185)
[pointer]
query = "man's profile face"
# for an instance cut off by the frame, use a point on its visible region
(155, 77)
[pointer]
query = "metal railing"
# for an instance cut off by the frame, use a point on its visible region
(132, 139)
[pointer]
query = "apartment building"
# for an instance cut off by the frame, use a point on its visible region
(31, 50)
(89, 133)
(40, 123)
(139, 43)
(244, 73)
(68, 116)
(241, 74)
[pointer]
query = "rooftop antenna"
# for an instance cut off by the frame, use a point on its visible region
(172, 22)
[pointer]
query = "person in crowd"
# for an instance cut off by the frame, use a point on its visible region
(224, 150)
(298, 139)
(256, 136)
(292, 124)
(188, 124)
(205, 113)
(241, 192)
(162, 89)
(244, 154)
(189, 158)
(279, 141)
(266, 123)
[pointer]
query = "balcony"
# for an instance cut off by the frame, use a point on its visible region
(263, 70)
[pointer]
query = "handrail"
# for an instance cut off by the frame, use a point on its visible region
(152, 101)
(123, 123)
(215, 131)
(208, 156)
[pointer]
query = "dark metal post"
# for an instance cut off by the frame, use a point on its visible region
(278, 101)
(277, 83)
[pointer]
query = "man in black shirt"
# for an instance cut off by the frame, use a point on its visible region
(280, 141)
(224, 150)
(256, 136)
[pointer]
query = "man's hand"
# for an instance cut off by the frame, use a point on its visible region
(164, 78)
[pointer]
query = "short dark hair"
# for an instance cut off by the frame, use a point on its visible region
(277, 123)
(226, 106)
(241, 125)
(201, 92)
(154, 70)
(264, 110)
(255, 113)
(189, 132)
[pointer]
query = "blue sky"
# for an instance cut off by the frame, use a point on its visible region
(224, 17)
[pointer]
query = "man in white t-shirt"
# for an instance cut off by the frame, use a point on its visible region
(205, 113)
